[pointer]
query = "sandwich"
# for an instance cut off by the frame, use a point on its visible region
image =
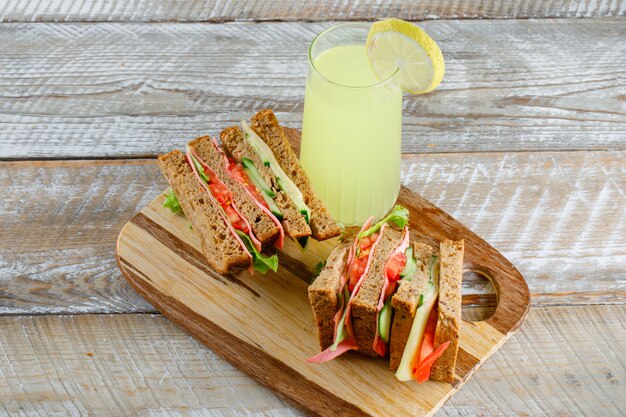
(378, 294)
(358, 286)
(229, 241)
(245, 197)
(262, 150)
(433, 318)
(265, 226)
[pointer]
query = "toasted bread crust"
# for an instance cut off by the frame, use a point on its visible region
(262, 226)
(236, 147)
(323, 294)
(221, 249)
(365, 303)
(265, 124)
(405, 303)
(449, 309)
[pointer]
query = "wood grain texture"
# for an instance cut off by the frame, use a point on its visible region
(160, 257)
(558, 364)
(221, 11)
(559, 217)
(119, 90)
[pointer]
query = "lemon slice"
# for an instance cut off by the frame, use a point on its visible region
(394, 44)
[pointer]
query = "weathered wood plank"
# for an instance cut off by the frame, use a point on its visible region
(558, 364)
(116, 90)
(559, 217)
(221, 11)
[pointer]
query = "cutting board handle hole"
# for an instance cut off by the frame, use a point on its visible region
(479, 295)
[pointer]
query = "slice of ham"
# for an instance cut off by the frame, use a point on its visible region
(214, 177)
(327, 355)
(221, 212)
(349, 343)
(379, 346)
(280, 242)
(355, 291)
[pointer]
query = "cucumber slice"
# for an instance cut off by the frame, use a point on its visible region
(342, 332)
(384, 321)
(410, 268)
(256, 177)
(282, 180)
(259, 182)
(413, 345)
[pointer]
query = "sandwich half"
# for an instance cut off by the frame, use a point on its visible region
(430, 309)
(355, 288)
(324, 290)
(265, 124)
(406, 298)
(264, 153)
(228, 240)
(265, 226)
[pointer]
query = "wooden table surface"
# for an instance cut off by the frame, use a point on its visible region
(524, 142)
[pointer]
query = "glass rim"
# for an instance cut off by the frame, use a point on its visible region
(344, 26)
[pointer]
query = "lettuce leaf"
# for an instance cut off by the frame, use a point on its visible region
(398, 216)
(318, 268)
(260, 262)
(199, 168)
(171, 202)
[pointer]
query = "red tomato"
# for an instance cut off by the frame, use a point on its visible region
(234, 219)
(210, 174)
(238, 173)
(357, 268)
(221, 193)
(395, 266)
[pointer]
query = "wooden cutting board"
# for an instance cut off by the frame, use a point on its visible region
(263, 324)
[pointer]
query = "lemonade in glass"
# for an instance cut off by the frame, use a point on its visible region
(352, 122)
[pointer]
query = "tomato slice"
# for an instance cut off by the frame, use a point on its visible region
(428, 353)
(237, 172)
(221, 193)
(357, 268)
(395, 266)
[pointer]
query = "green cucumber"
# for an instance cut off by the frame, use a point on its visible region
(342, 332)
(256, 177)
(413, 346)
(410, 267)
(259, 182)
(384, 321)
(282, 180)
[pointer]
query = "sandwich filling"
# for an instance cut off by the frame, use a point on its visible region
(357, 266)
(419, 352)
(393, 267)
(236, 171)
(283, 182)
(234, 220)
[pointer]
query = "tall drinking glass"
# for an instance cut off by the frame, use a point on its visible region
(352, 127)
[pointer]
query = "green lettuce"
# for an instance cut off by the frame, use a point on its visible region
(260, 262)
(319, 267)
(171, 202)
(398, 216)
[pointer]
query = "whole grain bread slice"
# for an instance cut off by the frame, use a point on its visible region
(220, 248)
(449, 309)
(265, 124)
(365, 303)
(263, 227)
(323, 292)
(405, 302)
(237, 148)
